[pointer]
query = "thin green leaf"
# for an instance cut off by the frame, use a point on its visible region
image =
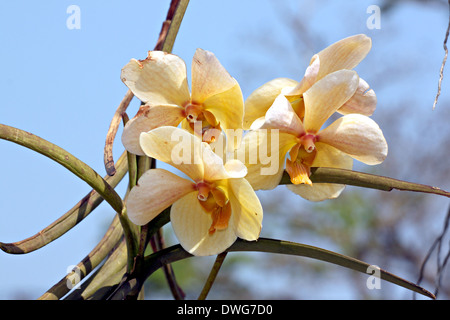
(212, 275)
(70, 219)
(105, 279)
(176, 253)
(64, 158)
(365, 180)
(89, 263)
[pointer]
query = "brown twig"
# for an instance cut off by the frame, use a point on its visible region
(110, 136)
(112, 131)
(441, 73)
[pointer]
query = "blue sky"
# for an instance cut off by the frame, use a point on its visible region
(63, 85)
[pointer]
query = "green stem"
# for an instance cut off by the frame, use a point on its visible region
(176, 253)
(365, 180)
(90, 262)
(67, 160)
(69, 220)
(174, 26)
(212, 275)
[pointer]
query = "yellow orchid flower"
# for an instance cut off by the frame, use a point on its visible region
(351, 136)
(160, 81)
(344, 54)
(209, 211)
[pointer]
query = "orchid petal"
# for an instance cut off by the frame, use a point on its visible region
(358, 136)
(364, 101)
(216, 170)
(160, 79)
(156, 190)
(191, 226)
(282, 116)
(264, 152)
(326, 96)
(262, 98)
(247, 210)
(309, 78)
(209, 77)
(148, 118)
(176, 147)
(344, 54)
(227, 107)
(317, 191)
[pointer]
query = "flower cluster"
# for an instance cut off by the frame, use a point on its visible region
(185, 128)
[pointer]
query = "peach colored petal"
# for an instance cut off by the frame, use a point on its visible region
(326, 96)
(309, 78)
(148, 118)
(159, 79)
(282, 116)
(317, 191)
(344, 54)
(364, 101)
(358, 136)
(209, 77)
(264, 152)
(176, 147)
(260, 100)
(156, 190)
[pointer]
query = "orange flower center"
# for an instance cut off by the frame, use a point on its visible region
(214, 201)
(299, 165)
(202, 122)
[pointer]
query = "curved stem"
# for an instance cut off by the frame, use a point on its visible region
(365, 180)
(67, 221)
(90, 262)
(212, 275)
(64, 158)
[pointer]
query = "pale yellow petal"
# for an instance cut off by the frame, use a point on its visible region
(156, 190)
(176, 147)
(148, 118)
(344, 54)
(247, 211)
(209, 77)
(260, 100)
(358, 136)
(329, 156)
(191, 226)
(227, 107)
(317, 191)
(364, 101)
(264, 153)
(159, 79)
(309, 78)
(326, 96)
(282, 116)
